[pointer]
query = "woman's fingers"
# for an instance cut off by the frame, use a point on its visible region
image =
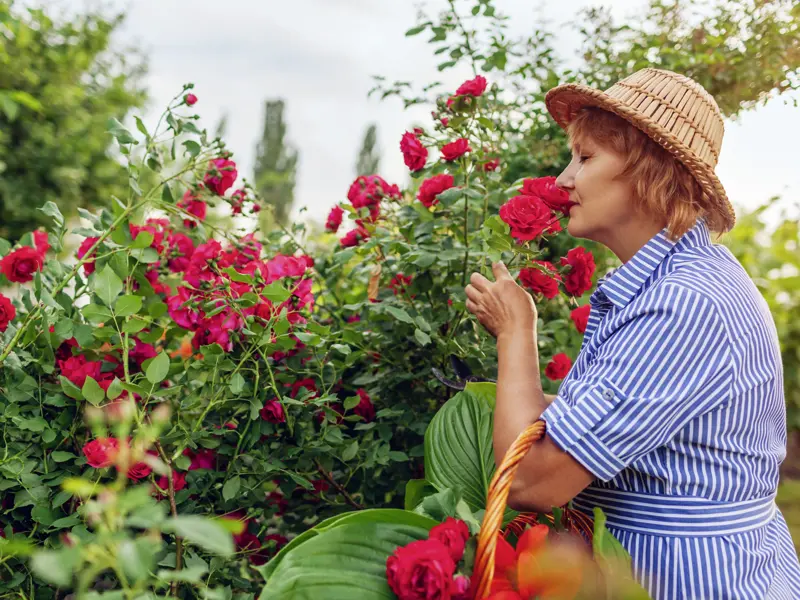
(480, 282)
(471, 306)
(472, 293)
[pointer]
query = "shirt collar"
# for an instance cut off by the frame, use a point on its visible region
(623, 284)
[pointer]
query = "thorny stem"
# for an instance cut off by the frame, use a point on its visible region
(329, 478)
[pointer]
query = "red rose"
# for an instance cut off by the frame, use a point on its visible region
(579, 278)
(432, 187)
(558, 367)
(190, 99)
(88, 266)
(365, 408)
(194, 206)
(580, 316)
(273, 542)
(202, 459)
(414, 153)
(77, 368)
(422, 570)
(7, 313)
(399, 283)
(540, 282)
(20, 265)
(473, 87)
(221, 175)
(334, 219)
(491, 165)
(459, 589)
(554, 228)
(527, 215)
(100, 453)
(455, 149)
(272, 412)
(454, 534)
(139, 471)
(178, 481)
(41, 241)
(545, 189)
(354, 237)
(180, 248)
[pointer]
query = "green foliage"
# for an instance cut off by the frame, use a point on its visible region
(369, 158)
(276, 166)
(59, 84)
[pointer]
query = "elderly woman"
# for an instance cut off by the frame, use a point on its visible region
(672, 419)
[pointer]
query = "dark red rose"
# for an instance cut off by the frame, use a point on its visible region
(178, 481)
(140, 470)
(334, 219)
(454, 150)
(272, 412)
(365, 409)
(579, 278)
(88, 266)
(527, 215)
(434, 186)
(77, 368)
(414, 153)
(580, 316)
(221, 175)
(473, 87)
(20, 265)
(7, 312)
(194, 206)
(354, 237)
(558, 367)
(454, 534)
(491, 165)
(273, 542)
(540, 282)
(190, 99)
(545, 189)
(41, 241)
(141, 352)
(180, 248)
(202, 459)
(422, 570)
(100, 453)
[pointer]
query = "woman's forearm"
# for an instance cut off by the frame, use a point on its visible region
(520, 400)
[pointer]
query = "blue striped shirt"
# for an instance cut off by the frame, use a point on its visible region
(675, 403)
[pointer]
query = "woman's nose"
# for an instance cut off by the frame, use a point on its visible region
(564, 181)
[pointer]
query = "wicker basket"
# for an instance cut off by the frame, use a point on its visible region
(497, 497)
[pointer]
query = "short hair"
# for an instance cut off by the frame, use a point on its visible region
(662, 185)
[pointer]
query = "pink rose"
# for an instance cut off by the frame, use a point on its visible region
(354, 237)
(88, 266)
(180, 248)
(100, 452)
(334, 219)
(194, 206)
(190, 99)
(545, 189)
(77, 369)
(473, 87)
(41, 241)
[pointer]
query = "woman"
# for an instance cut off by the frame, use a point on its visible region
(672, 419)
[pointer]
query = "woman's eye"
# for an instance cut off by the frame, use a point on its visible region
(584, 158)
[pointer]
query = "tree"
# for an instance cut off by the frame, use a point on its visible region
(276, 165)
(59, 85)
(369, 158)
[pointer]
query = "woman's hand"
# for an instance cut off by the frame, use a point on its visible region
(501, 306)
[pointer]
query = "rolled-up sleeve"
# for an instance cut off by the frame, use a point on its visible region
(668, 363)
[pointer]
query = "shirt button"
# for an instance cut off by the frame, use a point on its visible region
(608, 394)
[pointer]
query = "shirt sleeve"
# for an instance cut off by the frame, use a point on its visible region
(667, 364)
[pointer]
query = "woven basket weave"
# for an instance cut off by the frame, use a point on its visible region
(674, 111)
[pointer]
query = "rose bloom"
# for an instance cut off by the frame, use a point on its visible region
(460, 588)
(365, 409)
(354, 237)
(473, 87)
(202, 459)
(334, 219)
(454, 150)
(434, 186)
(545, 189)
(558, 367)
(527, 215)
(88, 266)
(579, 278)
(580, 316)
(221, 175)
(180, 250)
(422, 570)
(100, 452)
(7, 313)
(190, 99)
(20, 265)
(139, 470)
(178, 481)
(272, 412)
(540, 282)
(41, 241)
(491, 165)
(454, 534)
(414, 153)
(194, 206)
(77, 368)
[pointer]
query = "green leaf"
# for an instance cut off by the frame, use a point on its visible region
(128, 305)
(450, 196)
(137, 558)
(143, 240)
(158, 368)
(275, 292)
(120, 133)
(231, 488)
(416, 30)
(399, 314)
(115, 389)
(166, 194)
(416, 490)
(107, 285)
(70, 389)
(202, 532)
(341, 348)
(422, 338)
(237, 383)
(134, 326)
(51, 210)
(351, 450)
(192, 147)
(55, 566)
(96, 314)
(61, 456)
(485, 390)
(92, 391)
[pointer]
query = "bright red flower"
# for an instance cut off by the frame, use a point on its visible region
(41, 241)
(158, 235)
(579, 278)
(422, 570)
(306, 383)
(434, 186)
(7, 312)
(334, 219)
(414, 153)
(190, 99)
(183, 315)
(221, 175)
(77, 368)
(237, 201)
(460, 588)
(559, 367)
(202, 459)
(139, 470)
(473, 87)
(454, 534)
(540, 282)
(399, 283)
(365, 409)
(178, 481)
(491, 165)
(100, 452)
(272, 412)
(88, 266)
(141, 352)
(180, 248)
(545, 189)
(20, 265)
(354, 237)
(527, 215)
(454, 150)
(580, 316)
(194, 206)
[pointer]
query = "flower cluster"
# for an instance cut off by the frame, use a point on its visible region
(20, 266)
(366, 192)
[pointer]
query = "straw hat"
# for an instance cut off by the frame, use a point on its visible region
(671, 109)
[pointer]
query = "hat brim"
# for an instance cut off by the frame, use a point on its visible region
(564, 101)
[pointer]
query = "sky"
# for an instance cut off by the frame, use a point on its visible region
(320, 56)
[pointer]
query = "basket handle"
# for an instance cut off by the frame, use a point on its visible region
(496, 499)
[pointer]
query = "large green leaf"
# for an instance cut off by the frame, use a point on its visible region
(345, 562)
(458, 448)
